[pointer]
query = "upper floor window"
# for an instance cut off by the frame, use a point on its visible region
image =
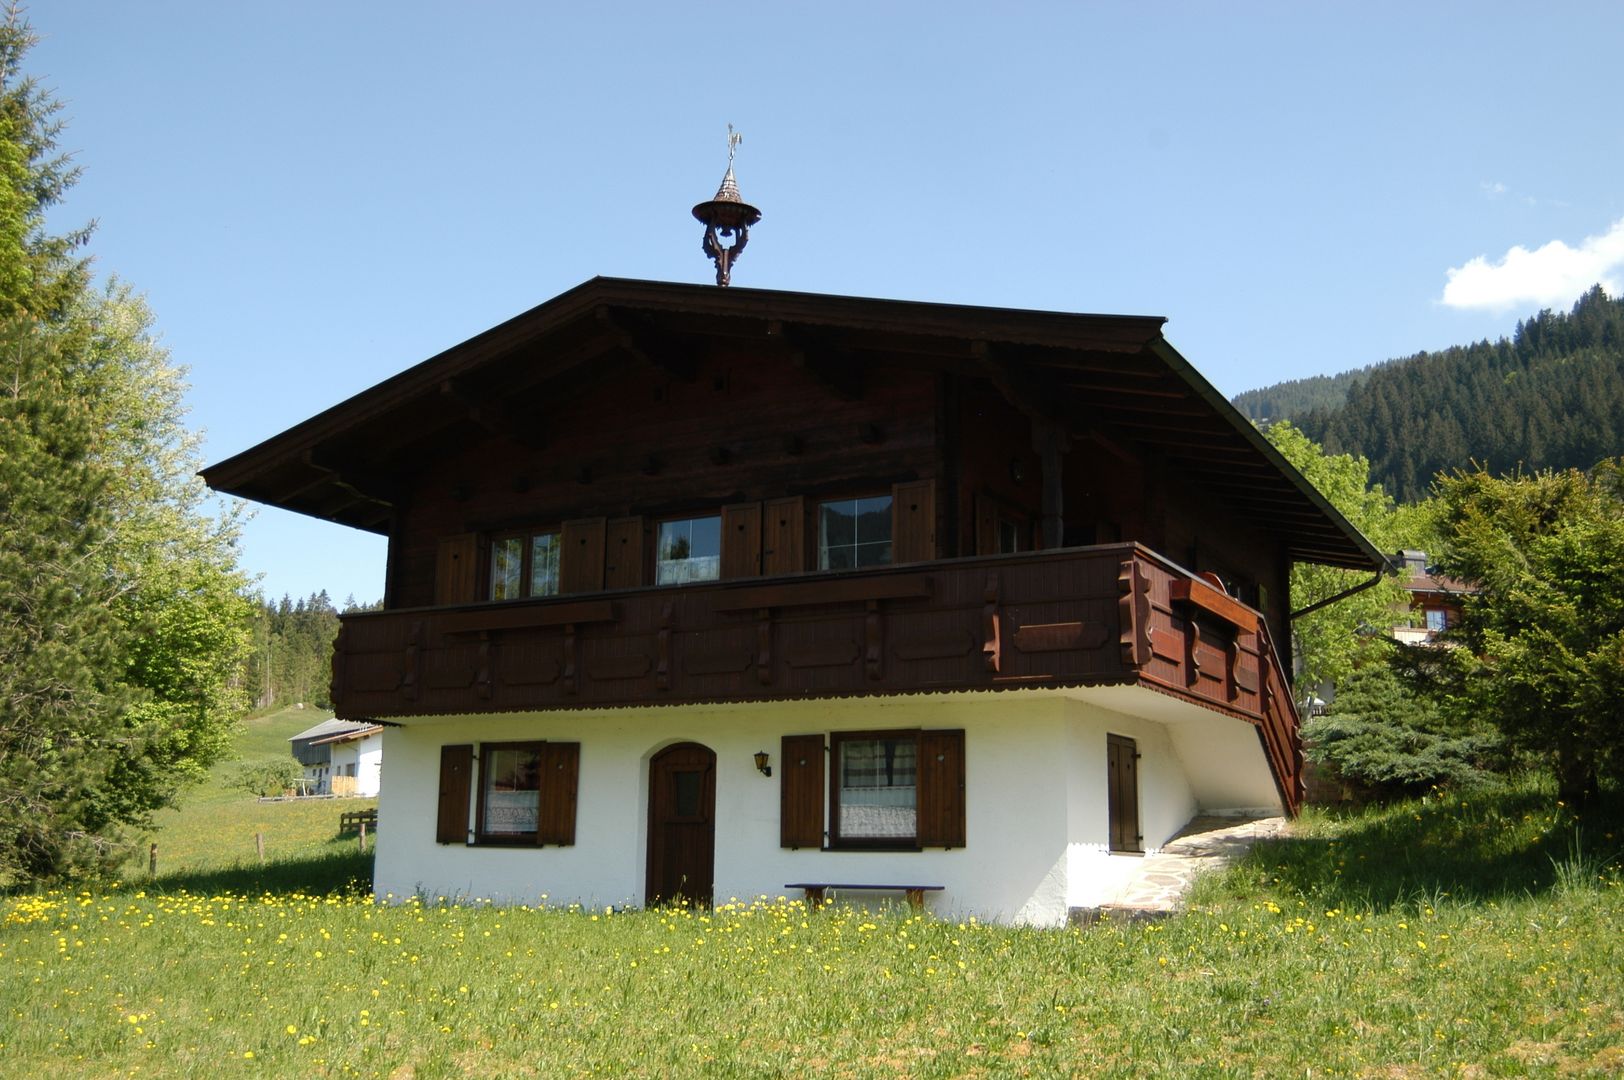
(524, 566)
(1437, 619)
(854, 533)
(688, 550)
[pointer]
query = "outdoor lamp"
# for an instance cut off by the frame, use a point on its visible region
(761, 763)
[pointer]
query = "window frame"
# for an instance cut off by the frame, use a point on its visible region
(837, 842)
(820, 552)
(516, 839)
(690, 518)
(527, 549)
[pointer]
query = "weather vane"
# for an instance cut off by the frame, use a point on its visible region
(727, 216)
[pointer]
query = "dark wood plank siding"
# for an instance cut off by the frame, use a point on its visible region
(800, 791)
(451, 817)
(632, 440)
(941, 789)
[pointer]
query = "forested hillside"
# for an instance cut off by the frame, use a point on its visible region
(292, 657)
(1551, 396)
(1295, 397)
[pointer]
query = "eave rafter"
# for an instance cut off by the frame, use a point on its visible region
(356, 484)
(639, 341)
(832, 367)
(494, 415)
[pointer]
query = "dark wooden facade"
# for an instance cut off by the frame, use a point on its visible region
(1071, 505)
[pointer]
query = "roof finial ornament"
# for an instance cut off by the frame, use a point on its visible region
(727, 215)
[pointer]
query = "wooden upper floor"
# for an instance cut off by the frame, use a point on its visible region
(633, 454)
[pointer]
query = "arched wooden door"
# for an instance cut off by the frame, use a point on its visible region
(682, 825)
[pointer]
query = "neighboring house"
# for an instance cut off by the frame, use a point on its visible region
(999, 597)
(340, 757)
(1435, 600)
(357, 761)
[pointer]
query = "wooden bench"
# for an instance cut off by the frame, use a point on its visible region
(354, 819)
(816, 889)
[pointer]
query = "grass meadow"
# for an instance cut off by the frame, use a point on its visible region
(1478, 935)
(211, 832)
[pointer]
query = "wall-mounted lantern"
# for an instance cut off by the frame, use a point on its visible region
(761, 763)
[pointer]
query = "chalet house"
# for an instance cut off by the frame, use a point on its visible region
(696, 593)
(340, 757)
(1435, 600)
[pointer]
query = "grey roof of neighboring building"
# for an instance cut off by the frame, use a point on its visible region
(333, 726)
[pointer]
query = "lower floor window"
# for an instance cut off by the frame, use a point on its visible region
(525, 793)
(510, 794)
(885, 790)
(878, 796)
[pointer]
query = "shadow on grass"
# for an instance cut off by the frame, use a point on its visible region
(1483, 845)
(338, 873)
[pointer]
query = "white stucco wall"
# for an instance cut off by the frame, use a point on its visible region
(369, 764)
(1035, 792)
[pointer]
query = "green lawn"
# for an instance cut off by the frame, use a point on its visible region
(213, 828)
(1475, 937)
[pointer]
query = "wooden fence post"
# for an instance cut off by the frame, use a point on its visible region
(363, 838)
(259, 846)
(152, 860)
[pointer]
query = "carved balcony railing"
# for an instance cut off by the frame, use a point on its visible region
(1111, 614)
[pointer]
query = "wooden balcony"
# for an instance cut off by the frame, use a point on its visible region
(1111, 614)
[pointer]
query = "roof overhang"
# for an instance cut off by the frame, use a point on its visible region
(1111, 376)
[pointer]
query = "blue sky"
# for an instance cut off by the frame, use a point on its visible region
(315, 195)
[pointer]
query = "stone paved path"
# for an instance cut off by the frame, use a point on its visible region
(1206, 843)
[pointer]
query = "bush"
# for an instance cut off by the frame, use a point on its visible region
(266, 778)
(1380, 738)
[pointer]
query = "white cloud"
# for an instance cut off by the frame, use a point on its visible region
(1494, 189)
(1548, 276)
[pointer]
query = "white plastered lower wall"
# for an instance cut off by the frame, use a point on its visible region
(1035, 797)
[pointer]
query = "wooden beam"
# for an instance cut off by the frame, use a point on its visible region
(832, 368)
(494, 415)
(640, 342)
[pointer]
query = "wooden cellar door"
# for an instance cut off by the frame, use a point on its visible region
(682, 825)
(1122, 793)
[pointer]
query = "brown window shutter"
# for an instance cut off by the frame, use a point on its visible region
(623, 560)
(560, 772)
(800, 791)
(741, 540)
(580, 562)
(451, 821)
(986, 525)
(455, 568)
(913, 522)
(783, 536)
(941, 789)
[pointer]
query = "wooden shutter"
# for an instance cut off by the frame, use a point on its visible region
(451, 820)
(741, 540)
(455, 569)
(987, 516)
(560, 772)
(913, 522)
(623, 558)
(941, 789)
(580, 562)
(800, 791)
(783, 536)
